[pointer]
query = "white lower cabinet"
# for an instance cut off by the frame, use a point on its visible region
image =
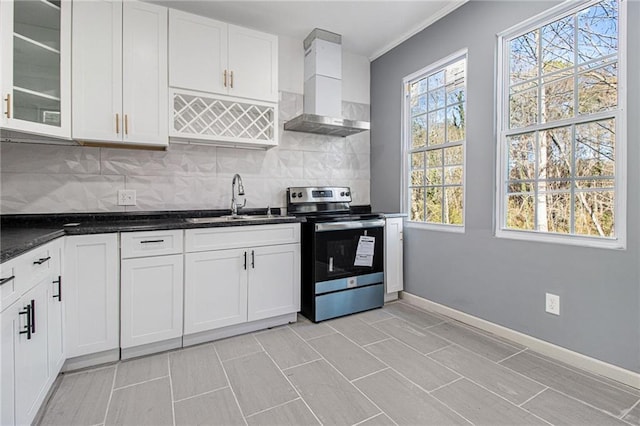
(273, 281)
(234, 285)
(91, 294)
(393, 263)
(215, 289)
(55, 311)
(151, 300)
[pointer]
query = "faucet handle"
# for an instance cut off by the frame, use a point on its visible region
(268, 210)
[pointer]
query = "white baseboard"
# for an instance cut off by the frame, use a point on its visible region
(570, 357)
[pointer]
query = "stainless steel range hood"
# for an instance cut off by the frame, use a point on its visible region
(322, 111)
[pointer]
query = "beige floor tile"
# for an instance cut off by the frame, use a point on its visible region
(334, 400)
(148, 403)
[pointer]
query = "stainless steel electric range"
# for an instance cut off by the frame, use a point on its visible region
(342, 253)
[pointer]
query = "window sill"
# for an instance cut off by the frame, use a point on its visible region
(572, 240)
(457, 229)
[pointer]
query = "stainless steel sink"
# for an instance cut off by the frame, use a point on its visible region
(231, 218)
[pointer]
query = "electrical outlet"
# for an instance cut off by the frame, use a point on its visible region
(126, 197)
(552, 303)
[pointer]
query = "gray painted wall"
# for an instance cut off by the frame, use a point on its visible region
(500, 280)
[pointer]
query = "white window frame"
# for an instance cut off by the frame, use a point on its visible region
(502, 101)
(406, 143)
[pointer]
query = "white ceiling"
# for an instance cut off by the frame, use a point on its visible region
(368, 28)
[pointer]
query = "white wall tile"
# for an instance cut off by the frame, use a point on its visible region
(177, 160)
(39, 158)
(55, 193)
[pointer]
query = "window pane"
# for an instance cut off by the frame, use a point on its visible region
(595, 183)
(598, 30)
(520, 212)
(436, 127)
(418, 87)
(557, 100)
(558, 213)
(455, 72)
(557, 44)
(455, 123)
(434, 204)
(519, 187)
(434, 176)
(455, 93)
(436, 80)
(598, 89)
(453, 175)
(436, 99)
(434, 158)
(417, 160)
(419, 105)
(417, 204)
(594, 213)
(417, 178)
(418, 131)
(453, 210)
(595, 149)
(555, 153)
(523, 60)
(522, 157)
(453, 155)
(523, 108)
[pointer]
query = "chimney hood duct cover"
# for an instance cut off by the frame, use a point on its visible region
(323, 89)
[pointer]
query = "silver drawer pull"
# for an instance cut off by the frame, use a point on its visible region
(41, 260)
(151, 241)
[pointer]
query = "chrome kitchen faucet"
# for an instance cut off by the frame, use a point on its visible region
(235, 206)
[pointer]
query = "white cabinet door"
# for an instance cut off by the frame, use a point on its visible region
(9, 329)
(91, 294)
(151, 299)
(197, 53)
(253, 64)
(31, 361)
(393, 256)
(215, 289)
(55, 312)
(36, 60)
(120, 72)
(274, 281)
(144, 65)
(97, 70)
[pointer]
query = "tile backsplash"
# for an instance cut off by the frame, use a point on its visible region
(37, 178)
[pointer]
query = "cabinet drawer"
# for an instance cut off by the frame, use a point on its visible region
(204, 239)
(14, 280)
(152, 243)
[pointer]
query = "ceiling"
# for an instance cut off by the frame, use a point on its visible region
(368, 28)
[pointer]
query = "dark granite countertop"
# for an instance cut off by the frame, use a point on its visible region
(21, 233)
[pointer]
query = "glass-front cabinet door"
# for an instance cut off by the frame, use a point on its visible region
(36, 66)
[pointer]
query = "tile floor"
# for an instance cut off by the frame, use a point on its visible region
(393, 366)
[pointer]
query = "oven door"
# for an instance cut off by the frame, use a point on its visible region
(348, 249)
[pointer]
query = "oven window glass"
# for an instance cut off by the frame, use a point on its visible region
(336, 253)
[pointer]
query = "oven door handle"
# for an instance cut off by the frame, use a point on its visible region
(353, 224)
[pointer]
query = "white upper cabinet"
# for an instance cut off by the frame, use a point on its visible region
(119, 72)
(36, 67)
(214, 57)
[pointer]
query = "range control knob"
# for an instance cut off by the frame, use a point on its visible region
(294, 195)
(342, 194)
(299, 194)
(347, 193)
